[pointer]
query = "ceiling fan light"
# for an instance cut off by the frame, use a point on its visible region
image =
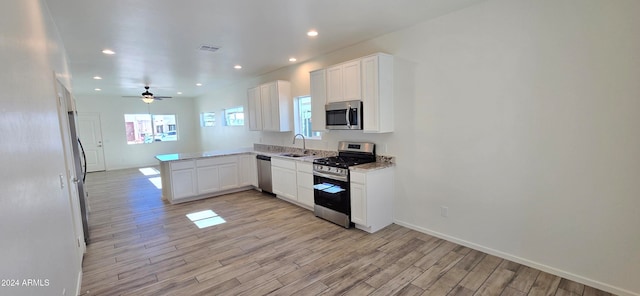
(147, 99)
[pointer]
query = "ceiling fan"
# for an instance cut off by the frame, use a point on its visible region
(148, 97)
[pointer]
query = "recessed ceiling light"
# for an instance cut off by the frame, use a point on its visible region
(179, 92)
(108, 51)
(312, 33)
(97, 77)
(292, 59)
(97, 89)
(198, 84)
(237, 67)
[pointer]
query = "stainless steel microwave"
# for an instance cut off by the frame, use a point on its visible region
(344, 115)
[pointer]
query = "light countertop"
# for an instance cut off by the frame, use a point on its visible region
(217, 153)
(250, 150)
(372, 166)
(185, 156)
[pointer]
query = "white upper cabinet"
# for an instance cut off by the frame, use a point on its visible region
(343, 82)
(369, 79)
(352, 81)
(318, 87)
(377, 93)
(270, 107)
(267, 108)
(334, 84)
(255, 109)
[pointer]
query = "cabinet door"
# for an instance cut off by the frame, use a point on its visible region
(183, 183)
(351, 84)
(334, 84)
(248, 170)
(377, 93)
(284, 182)
(358, 204)
(305, 189)
(208, 179)
(255, 109)
(370, 99)
(228, 176)
(265, 100)
(274, 107)
(318, 88)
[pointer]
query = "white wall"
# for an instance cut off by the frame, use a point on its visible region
(119, 154)
(36, 229)
(527, 113)
(521, 117)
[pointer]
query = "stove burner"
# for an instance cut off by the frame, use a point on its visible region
(343, 161)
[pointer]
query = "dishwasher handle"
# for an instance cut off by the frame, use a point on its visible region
(263, 157)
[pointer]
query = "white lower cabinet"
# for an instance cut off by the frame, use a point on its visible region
(372, 199)
(183, 176)
(206, 177)
(217, 174)
(228, 176)
(304, 178)
(283, 176)
(248, 170)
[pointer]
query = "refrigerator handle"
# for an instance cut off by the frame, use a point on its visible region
(84, 158)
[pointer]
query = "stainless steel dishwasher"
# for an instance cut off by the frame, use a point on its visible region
(264, 173)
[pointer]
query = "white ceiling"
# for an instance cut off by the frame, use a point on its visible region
(157, 41)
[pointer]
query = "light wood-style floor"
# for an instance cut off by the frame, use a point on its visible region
(141, 245)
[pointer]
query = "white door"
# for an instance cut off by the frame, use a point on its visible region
(90, 133)
(74, 199)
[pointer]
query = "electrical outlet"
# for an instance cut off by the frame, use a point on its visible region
(444, 211)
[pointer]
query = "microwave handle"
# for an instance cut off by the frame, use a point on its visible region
(348, 115)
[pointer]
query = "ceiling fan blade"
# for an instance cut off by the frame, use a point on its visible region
(161, 97)
(131, 96)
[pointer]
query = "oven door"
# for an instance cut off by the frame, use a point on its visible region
(331, 193)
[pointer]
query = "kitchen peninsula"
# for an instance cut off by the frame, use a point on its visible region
(192, 176)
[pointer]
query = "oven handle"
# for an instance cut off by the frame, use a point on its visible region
(331, 176)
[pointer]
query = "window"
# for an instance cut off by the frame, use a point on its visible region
(147, 128)
(208, 119)
(302, 111)
(234, 116)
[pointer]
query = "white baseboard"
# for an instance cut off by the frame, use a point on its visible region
(79, 283)
(523, 261)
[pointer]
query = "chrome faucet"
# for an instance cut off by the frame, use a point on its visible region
(304, 142)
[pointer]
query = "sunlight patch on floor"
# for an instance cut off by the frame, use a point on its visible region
(205, 218)
(157, 181)
(149, 171)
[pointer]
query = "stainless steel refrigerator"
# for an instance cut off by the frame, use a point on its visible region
(80, 163)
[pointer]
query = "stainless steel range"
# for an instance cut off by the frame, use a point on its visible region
(331, 192)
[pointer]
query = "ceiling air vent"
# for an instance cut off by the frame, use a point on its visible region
(210, 48)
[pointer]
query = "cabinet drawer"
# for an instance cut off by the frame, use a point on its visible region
(357, 177)
(181, 165)
(305, 167)
(216, 160)
(283, 163)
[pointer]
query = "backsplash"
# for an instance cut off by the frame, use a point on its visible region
(285, 149)
(319, 153)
